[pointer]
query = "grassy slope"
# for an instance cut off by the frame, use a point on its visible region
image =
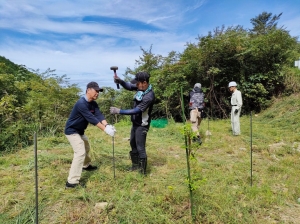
(222, 163)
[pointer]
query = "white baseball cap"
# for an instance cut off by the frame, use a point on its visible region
(197, 85)
(232, 84)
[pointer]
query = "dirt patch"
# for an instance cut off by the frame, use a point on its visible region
(275, 146)
(290, 214)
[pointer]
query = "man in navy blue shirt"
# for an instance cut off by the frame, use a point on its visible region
(140, 117)
(85, 111)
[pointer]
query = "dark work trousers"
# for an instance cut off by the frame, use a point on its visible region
(138, 137)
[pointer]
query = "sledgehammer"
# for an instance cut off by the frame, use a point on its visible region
(115, 68)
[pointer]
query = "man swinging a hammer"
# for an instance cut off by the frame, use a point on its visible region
(140, 117)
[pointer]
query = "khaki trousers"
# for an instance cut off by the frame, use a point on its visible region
(195, 118)
(81, 158)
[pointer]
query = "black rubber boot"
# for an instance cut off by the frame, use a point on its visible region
(143, 166)
(199, 141)
(135, 161)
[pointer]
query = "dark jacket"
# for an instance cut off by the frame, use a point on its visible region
(82, 114)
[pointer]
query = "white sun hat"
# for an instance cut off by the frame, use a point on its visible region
(232, 84)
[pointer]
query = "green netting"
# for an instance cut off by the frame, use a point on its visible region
(159, 123)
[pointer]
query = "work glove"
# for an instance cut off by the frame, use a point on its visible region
(114, 110)
(236, 111)
(117, 80)
(110, 130)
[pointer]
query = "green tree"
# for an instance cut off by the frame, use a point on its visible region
(264, 23)
(32, 101)
(214, 61)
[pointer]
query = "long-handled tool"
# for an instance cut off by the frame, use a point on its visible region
(113, 141)
(115, 68)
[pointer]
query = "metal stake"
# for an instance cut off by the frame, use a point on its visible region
(36, 180)
(251, 147)
(208, 127)
(113, 146)
(113, 141)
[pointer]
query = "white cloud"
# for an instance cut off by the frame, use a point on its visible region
(51, 33)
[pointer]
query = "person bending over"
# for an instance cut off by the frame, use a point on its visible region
(85, 111)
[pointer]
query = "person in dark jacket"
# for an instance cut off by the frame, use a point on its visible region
(196, 106)
(85, 111)
(140, 117)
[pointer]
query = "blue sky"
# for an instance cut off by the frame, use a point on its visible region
(83, 38)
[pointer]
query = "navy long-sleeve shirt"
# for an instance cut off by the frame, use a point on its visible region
(82, 114)
(141, 112)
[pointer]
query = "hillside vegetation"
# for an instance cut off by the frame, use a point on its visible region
(222, 164)
(32, 101)
(260, 60)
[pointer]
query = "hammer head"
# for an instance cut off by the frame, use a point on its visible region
(114, 68)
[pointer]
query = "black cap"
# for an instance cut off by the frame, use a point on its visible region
(141, 77)
(95, 86)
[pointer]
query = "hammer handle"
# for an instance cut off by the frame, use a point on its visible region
(118, 86)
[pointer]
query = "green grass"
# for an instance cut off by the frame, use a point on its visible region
(222, 167)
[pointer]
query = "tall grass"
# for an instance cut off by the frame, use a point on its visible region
(223, 161)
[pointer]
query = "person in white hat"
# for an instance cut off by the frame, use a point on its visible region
(236, 106)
